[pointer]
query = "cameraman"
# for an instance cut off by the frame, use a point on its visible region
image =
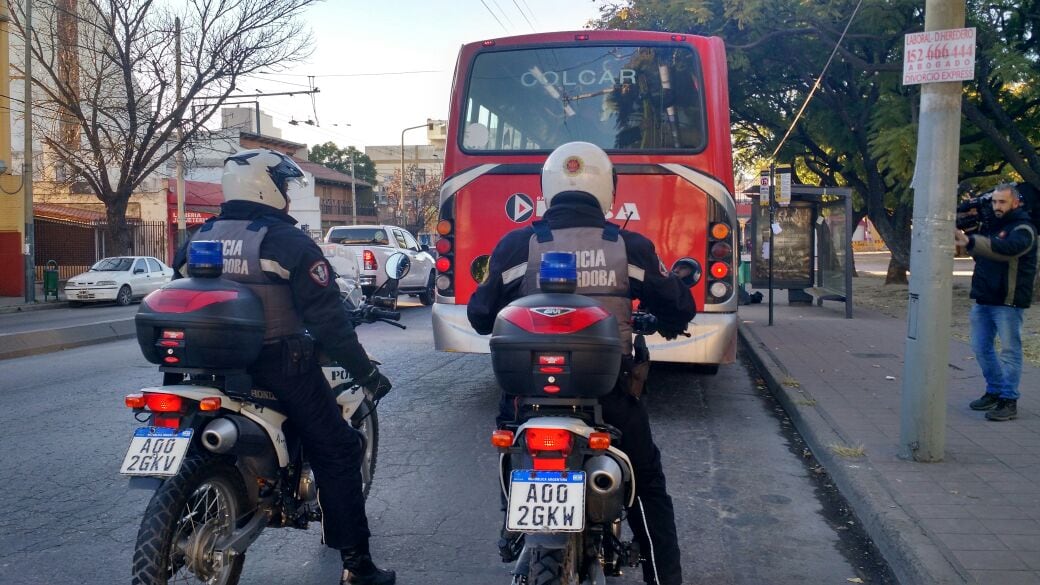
(1005, 253)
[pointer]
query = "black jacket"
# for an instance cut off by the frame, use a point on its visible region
(661, 293)
(1005, 262)
(319, 305)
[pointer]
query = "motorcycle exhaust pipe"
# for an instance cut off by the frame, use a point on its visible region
(234, 434)
(220, 435)
(604, 501)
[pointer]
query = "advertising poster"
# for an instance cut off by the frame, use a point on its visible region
(792, 248)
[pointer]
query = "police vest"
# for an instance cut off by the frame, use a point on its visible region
(602, 261)
(240, 240)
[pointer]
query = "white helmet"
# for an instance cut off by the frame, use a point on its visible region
(261, 176)
(579, 166)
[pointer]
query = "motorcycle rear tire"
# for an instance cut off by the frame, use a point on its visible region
(174, 502)
(366, 421)
(555, 566)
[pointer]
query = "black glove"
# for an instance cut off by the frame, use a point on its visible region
(670, 334)
(376, 385)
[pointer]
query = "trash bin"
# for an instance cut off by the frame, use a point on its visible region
(50, 280)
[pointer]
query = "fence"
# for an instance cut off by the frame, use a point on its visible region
(77, 246)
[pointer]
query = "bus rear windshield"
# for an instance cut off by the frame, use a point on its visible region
(628, 98)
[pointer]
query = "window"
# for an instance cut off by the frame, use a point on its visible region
(140, 265)
(401, 242)
(622, 98)
(352, 236)
(411, 241)
(154, 265)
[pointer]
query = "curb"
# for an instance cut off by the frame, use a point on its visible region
(35, 307)
(28, 343)
(911, 554)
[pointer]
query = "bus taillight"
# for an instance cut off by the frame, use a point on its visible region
(445, 257)
(720, 254)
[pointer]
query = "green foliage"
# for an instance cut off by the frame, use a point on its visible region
(334, 157)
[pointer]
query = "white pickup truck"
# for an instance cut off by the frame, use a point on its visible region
(373, 244)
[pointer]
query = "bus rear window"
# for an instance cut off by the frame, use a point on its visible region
(626, 98)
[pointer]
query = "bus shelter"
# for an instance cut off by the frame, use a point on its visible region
(811, 245)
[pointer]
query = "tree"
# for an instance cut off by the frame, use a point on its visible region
(110, 108)
(421, 200)
(334, 157)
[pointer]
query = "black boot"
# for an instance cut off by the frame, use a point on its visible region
(988, 401)
(358, 568)
(1006, 410)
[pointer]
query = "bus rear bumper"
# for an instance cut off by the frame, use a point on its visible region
(713, 337)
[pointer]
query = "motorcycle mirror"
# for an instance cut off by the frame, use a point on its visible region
(688, 270)
(397, 266)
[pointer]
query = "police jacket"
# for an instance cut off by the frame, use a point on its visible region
(1005, 261)
(575, 223)
(266, 252)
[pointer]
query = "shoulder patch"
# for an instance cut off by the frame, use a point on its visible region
(319, 273)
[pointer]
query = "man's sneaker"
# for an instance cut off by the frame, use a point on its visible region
(1005, 410)
(987, 402)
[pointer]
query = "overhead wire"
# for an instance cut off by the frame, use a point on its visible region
(521, 11)
(495, 16)
(816, 85)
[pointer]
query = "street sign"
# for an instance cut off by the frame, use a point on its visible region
(939, 55)
(783, 184)
(763, 187)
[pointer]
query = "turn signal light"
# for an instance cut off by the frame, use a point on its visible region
(502, 439)
(135, 400)
(599, 441)
(210, 403)
(719, 270)
(720, 231)
(444, 227)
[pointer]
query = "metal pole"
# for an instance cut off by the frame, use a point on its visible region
(27, 165)
(256, 108)
(353, 191)
(182, 222)
(772, 222)
(925, 364)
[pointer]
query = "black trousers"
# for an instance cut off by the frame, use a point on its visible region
(331, 445)
(652, 517)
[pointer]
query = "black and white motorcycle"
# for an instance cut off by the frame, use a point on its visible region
(214, 449)
(565, 477)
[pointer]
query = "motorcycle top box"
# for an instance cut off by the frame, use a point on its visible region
(209, 323)
(556, 345)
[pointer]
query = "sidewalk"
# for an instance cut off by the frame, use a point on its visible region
(974, 518)
(18, 304)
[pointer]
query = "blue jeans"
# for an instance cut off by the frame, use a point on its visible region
(1002, 372)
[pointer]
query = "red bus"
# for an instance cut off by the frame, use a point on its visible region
(656, 102)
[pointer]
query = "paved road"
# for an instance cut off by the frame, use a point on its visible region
(53, 318)
(877, 263)
(750, 510)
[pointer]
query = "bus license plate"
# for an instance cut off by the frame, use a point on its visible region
(546, 501)
(156, 451)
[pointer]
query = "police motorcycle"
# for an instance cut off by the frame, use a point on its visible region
(213, 448)
(565, 478)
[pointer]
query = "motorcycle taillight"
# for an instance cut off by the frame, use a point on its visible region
(553, 320)
(553, 440)
(166, 420)
(186, 301)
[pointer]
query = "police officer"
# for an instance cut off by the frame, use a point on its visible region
(280, 263)
(615, 266)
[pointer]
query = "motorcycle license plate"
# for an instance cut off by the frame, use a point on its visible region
(156, 451)
(546, 501)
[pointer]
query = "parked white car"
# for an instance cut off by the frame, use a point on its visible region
(119, 278)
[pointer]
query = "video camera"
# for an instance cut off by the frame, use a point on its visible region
(975, 213)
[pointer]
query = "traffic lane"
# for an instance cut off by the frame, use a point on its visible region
(66, 317)
(434, 508)
(747, 509)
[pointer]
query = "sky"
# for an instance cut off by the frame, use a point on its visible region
(384, 65)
